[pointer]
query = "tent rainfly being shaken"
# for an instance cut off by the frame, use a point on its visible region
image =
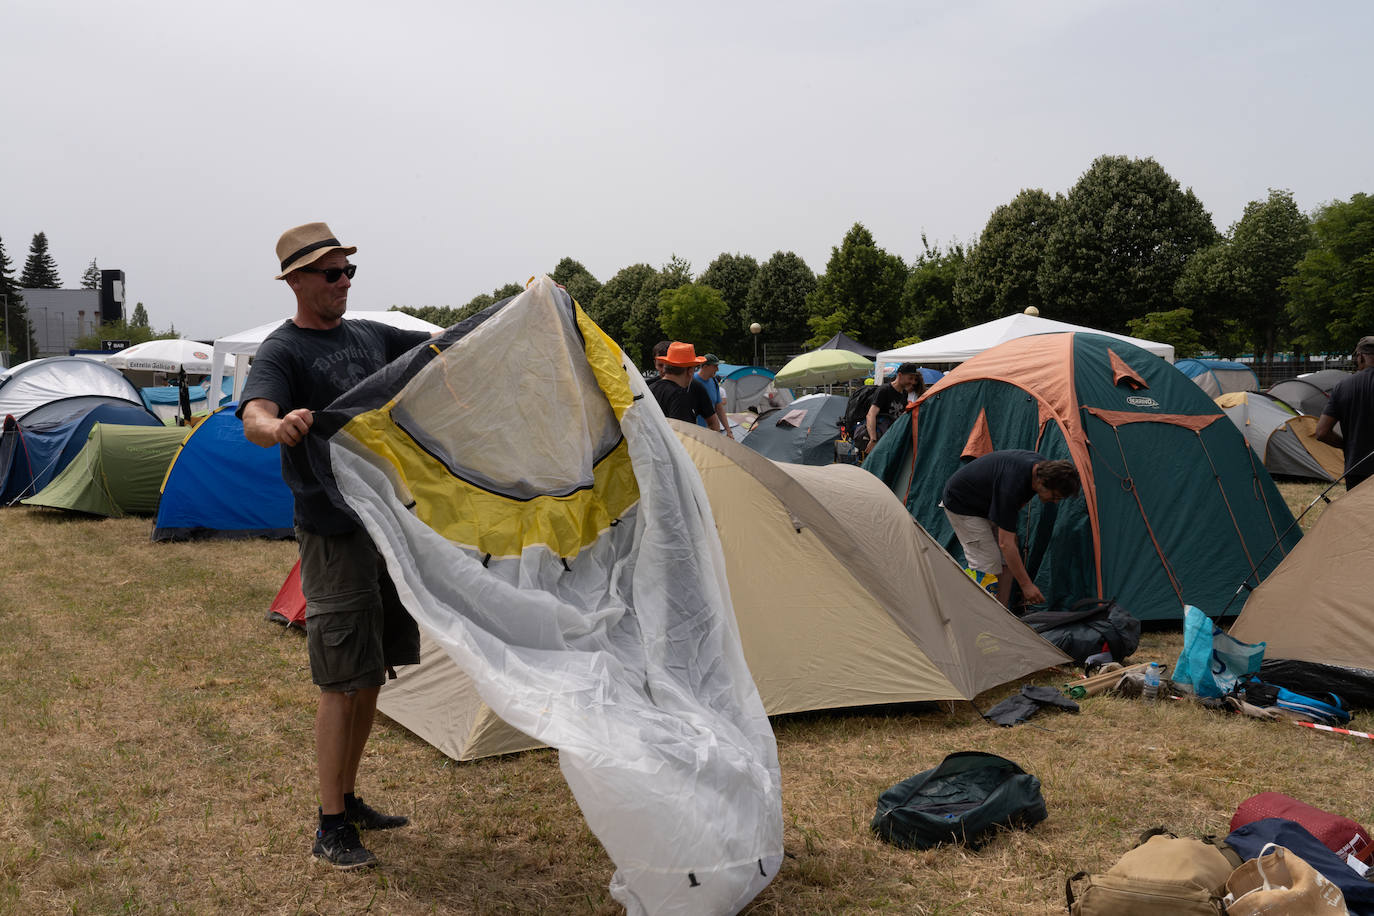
(555, 540)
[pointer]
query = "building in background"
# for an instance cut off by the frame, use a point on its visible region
(60, 316)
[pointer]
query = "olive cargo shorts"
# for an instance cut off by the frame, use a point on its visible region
(356, 626)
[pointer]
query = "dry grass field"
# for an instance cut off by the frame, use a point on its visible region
(155, 757)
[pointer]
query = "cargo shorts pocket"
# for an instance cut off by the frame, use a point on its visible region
(341, 648)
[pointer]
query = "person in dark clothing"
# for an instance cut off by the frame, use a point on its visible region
(983, 501)
(1352, 406)
(356, 627)
(891, 400)
(679, 394)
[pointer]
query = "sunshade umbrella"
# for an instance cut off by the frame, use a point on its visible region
(823, 367)
(171, 355)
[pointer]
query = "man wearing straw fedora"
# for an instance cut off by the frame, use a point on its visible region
(357, 628)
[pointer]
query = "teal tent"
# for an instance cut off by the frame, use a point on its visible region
(1176, 508)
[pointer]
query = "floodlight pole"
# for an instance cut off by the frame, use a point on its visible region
(6, 297)
(755, 329)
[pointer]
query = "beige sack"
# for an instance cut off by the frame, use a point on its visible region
(1280, 883)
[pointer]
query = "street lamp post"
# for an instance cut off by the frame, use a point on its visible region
(754, 329)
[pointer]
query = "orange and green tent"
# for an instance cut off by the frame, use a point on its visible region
(1176, 508)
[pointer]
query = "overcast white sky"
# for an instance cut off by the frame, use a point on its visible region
(465, 145)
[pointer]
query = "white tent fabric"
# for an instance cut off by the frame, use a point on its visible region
(961, 345)
(169, 355)
(606, 628)
(246, 343)
(39, 381)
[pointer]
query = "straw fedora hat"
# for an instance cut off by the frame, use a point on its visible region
(304, 245)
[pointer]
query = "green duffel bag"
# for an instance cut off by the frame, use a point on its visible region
(963, 800)
(1163, 875)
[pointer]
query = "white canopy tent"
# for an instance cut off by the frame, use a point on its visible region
(246, 343)
(961, 345)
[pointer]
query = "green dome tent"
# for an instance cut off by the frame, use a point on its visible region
(1176, 508)
(118, 472)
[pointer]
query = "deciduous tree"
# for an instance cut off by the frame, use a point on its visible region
(999, 276)
(1171, 327)
(928, 304)
(578, 281)
(1120, 243)
(777, 298)
(732, 275)
(860, 292)
(1331, 293)
(40, 271)
(694, 312)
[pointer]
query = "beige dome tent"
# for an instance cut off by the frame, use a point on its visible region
(1315, 607)
(841, 599)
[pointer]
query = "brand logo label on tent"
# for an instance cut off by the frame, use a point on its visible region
(1140, 400)
(987, 643)
(199, 355)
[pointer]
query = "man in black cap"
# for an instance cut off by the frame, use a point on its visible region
(891, 400)
(1352, 406)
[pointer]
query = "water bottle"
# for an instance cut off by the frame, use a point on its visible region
(1151, 691)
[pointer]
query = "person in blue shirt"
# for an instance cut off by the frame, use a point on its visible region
(707, 376)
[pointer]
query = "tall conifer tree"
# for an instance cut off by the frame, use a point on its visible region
(40, 271)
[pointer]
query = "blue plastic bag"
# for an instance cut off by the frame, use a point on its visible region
(1212, 662)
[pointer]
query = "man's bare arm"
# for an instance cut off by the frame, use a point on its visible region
(1326, 431)
(263, 424)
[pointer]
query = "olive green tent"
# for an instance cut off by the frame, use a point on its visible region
(117, 473)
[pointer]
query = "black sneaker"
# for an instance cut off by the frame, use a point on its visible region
(341, 848)
(365, 817)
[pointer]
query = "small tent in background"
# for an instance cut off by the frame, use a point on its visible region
(119, 472)
(1308, 394)
(165, 400)
(51, 435)
(803, 432)
(840, 598)
(750, 389)
(1314, 612)
(1285, 442)
(845, 342)
(41, 381)
(1176, 508)
(1218, 376)
(220, 485)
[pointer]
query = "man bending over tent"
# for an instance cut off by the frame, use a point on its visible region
(357, 627)
(983, 500)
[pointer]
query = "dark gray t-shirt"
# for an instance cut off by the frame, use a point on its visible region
(300, 367)
(994, 487)
(1352, 405)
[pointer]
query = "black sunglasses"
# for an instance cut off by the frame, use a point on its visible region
(332, 274)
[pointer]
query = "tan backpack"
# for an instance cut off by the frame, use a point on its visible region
(1163, 875)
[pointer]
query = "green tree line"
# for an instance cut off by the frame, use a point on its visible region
(1125, 249)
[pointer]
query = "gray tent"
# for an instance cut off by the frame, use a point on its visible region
(1285, 442)
(1309, 393)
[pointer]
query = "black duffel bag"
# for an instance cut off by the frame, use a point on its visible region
(963, 800)
(1082, 630)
